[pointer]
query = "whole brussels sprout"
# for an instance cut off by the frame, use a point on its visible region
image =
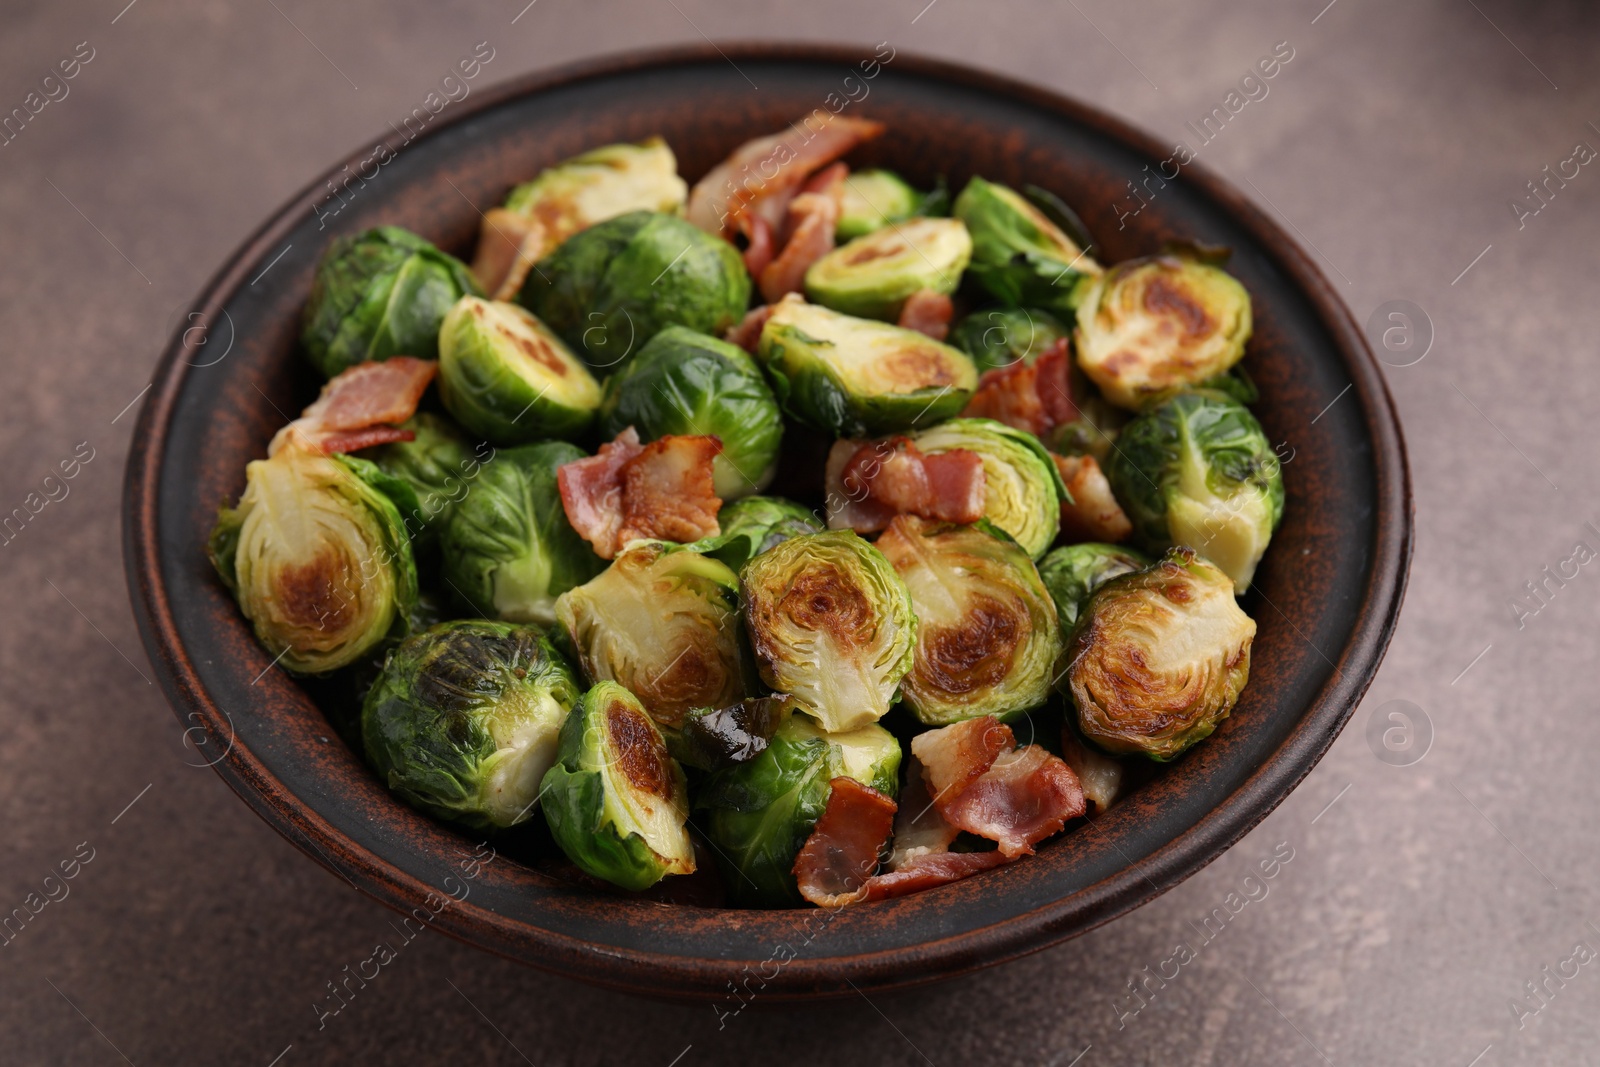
(663, 621)
(987, 633)
(755, 524)
(601, 184)
(438, 464)
(379, 294)
(508, 378)
(1147, 327)
(508, 548)
(1072, 572)
(856, 377)
(760, 812)
(871, 200)
(683, 382)
(317, 555)
(1197, 470)
(617, 284)
(1018, 254)
(615, 800)
(1022, 491)
(832, 625)
(872, 275)
(999, 337)
(1159, 657)
(462, 721)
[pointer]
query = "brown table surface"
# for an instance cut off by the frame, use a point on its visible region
(1420, 898)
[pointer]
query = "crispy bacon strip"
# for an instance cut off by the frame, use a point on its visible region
(1092, 512)
(869, 483)
(766, 169)
(630, 492)
(839, 858)
(509, 244)
(983, 784)
(813, 218)
(928, 312)
(930, 870)
(747, 333)
(359, 405)
(758, 249)
(919, 829)
(1032, 396)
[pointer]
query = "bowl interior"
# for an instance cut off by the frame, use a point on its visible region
(1324, 598)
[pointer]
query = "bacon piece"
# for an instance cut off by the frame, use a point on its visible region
(667, 491)
(509, 244)
(1028, 396)
(770, 167)
(1092, 513)
(983, 784)
(928, 312)
(839, 858)
(747, 334)
(1053, 384)
(919, 829)
(930, 870)
(869, 483)
(758, 250)
(591, 491)
(813, 217)
(356, 402)
(1099, 775)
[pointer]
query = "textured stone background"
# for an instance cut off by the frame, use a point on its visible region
(1415, 907)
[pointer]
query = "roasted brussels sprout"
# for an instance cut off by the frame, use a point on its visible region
(616, 801)
(1159, 657)
(1073, 572)
(663, 621)
(379, 294)
(507, 377)
(999, 337)
(614, 286)
(1149, 326)
(755, 524)
(987, 634)
(317, 555)
(713, 738)
(872, 275)
(1022, 488)
(759, 813)
(683, 382)
(832, 626)
(871, 199)
(855, 377)
(1197, 470)
(438, 464)
(508, 548)
(1018, 254)
(601, 184)
(462, 721)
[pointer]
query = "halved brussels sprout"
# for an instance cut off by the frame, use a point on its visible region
(508, 548)
(317, 555)
(601, 184)
(760, 812)
(1022, 489)
(1073, 572)
(1149, 326)
(664, 622)
(462, 721)
(616, 801)
(832, 626)
(872, 275)
(1197, 470)
(755, 524)
(871, 199)
(438, 464)
(987, 633)
(1018, 253)
(1159, 657)
(378, 294)
(713, 738)
(999, 337)
(855, 377)
(617, 284)
(506, 376)
(683, 382)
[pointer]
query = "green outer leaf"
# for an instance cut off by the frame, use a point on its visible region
(1009, 456)
(222, 547)
(999, 337)
(438, 464)
(1018, 254)
(1072, 572)
(510, 533)
(684, 382)
(755, 524)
